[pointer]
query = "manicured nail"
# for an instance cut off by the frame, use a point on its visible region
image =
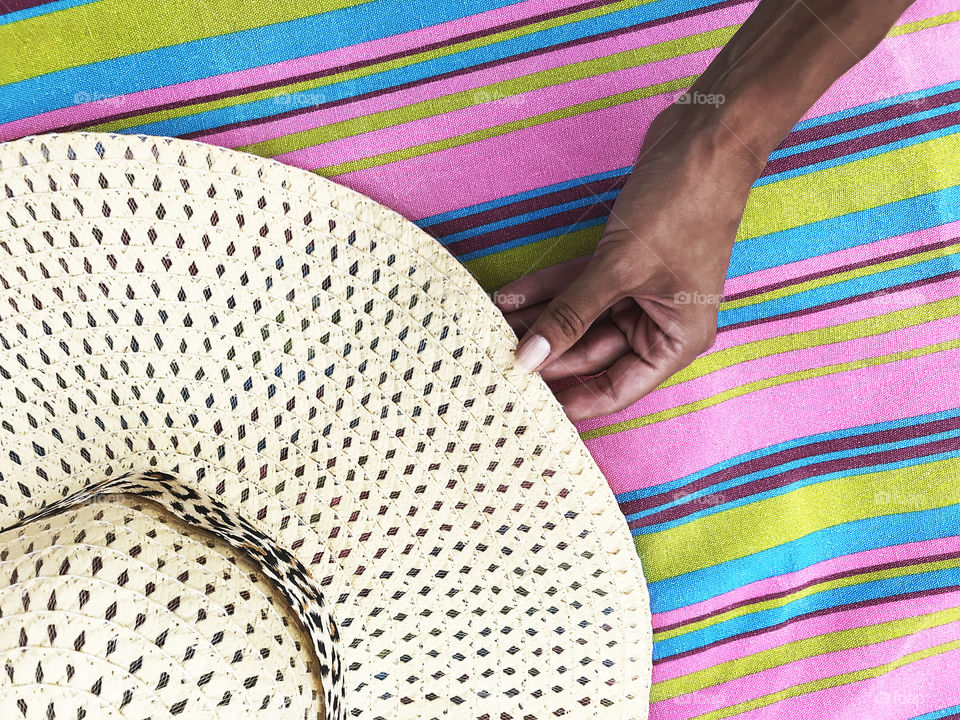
(532, 351)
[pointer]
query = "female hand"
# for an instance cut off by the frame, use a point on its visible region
(645, 303)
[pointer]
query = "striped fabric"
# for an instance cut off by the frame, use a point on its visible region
(794, 493)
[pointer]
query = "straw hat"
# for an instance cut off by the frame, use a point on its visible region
(262, 451)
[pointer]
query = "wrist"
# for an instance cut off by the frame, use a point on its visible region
(711, 138)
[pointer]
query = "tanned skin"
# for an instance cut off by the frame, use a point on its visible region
(623, 315)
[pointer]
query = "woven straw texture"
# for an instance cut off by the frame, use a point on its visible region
(283, 363)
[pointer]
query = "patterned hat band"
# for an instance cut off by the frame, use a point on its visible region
(262, 450)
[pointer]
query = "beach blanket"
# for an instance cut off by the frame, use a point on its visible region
(795, 493)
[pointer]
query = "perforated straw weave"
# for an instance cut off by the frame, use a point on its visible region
(260, 436)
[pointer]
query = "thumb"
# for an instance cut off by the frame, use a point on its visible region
(567, 317)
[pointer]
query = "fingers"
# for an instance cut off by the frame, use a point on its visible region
(656, 356)
(521, 320)
(540, 286)
(597, 350)
(628, 380)
(568, 316)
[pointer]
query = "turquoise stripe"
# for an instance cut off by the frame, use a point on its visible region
(846, 231)
(853, 157)
(683, 498)
(777, 492)
(44, 9)
(231, 52)
(527, 217)
(517, 197)
(885, 102)
(938, 714)
(787, 445)
(299, 38)
(876, 282)
(834, 598)
(826, 544)
(864, 131)
(545, 235)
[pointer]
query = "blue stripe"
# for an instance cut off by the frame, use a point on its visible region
(777, 492)
(787, 445)
(846, 231)
(832, 598)
(853, 157)
(864, 131)
(299, 38)
(885, 102)
(526, 217)
(517, 197)
(683, 498)
(545, 235)
(814, 297)
(938, 714)
(828, 543)
(37, 10)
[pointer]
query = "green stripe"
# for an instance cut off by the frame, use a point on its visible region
(288, 143)
(486, 133)
(830, 682)
(503, 89)
(713, 539)
(764, 384)
(847, 581)
(798, 650)
(108, 29)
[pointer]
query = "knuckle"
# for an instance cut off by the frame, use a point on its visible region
(567, 320)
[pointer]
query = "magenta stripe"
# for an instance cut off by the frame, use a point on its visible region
(851, 572)
(813, 613)
(781, 480)
(789, 455)
(827, 272)
(811, 627)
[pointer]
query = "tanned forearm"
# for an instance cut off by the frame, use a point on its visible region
(778, 64)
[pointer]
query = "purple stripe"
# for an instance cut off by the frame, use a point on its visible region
(815, 581)
(540, 202)
(11, 6)
(811, 614)
(788, 477)
(867, 142)
(843, 268)
(557, 221)
(873, 117)
(782, 457)
(442, 76)
(843, 301)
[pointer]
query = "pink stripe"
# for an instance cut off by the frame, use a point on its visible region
(512, 163)
(901, 340)
(412, 40)
(906, 692)
(779, 583)
(816, 405)
(811, 627)
(838, 259)
(478, 79)
(564, 149)
(806, 670)
(898, 65)
(491, 114)
(925, 9)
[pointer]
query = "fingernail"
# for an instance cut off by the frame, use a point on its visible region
(532, 351)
